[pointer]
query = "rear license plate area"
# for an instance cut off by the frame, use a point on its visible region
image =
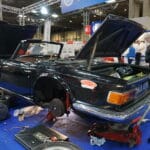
(142, 88)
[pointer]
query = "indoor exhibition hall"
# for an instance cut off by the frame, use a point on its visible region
(74, 74)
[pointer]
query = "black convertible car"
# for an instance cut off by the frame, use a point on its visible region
(112, 91)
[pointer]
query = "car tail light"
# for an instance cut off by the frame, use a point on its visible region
(118, 98)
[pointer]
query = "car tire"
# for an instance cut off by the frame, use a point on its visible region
(4, 114)
(56, 107)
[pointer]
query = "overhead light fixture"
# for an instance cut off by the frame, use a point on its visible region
(44, 11)
(34, 11)
(22, 16)
(28, 19)
(110, 1)
(42, 19)
(54, 15)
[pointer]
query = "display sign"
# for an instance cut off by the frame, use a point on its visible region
(71, 5)
(87, 29)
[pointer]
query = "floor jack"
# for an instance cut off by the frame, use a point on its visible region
(125, 133)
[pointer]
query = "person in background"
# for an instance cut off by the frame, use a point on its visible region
(140, 47)
(147, 52)
(147, 55)
(138, 52)
(131, 54)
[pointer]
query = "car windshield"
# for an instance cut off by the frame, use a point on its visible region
(37, 49)
(43, 49)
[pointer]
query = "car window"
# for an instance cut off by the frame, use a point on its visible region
(31, 51)
(42, 49)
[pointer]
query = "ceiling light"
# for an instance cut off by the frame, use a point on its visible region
(22, 16)
(54, 15)
(110, 1)
(44, 11)
(28, 19)
(42, 19)
(34, 11)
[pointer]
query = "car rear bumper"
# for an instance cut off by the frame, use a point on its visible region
(111, 115)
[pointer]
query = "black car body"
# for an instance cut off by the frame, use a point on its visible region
(112, 91)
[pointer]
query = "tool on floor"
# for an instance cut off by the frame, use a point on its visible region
(35, 136)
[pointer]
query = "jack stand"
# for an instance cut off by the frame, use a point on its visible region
(50, 117)
(124, 133)
(117, 132)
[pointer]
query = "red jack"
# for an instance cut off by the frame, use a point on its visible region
(125, 133)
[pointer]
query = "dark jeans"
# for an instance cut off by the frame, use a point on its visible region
(137, 58)
(130, 60)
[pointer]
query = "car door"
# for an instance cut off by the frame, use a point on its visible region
(15, 75)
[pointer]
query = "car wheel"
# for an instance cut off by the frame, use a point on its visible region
(56, 107)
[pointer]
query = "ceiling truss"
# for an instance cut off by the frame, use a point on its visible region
(28, 9)
(38, 5)
(11, 9)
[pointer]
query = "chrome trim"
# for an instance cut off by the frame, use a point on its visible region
(126, 115)
(16, 94)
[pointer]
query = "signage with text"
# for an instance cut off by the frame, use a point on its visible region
(71, 5)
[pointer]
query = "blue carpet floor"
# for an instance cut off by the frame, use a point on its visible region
(74, 126)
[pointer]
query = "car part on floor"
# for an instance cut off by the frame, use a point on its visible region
(3, 111)
(97, 141)
(27, 111)
(33, 137)
(61, 145)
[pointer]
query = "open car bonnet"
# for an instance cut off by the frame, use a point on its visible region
(112, 38)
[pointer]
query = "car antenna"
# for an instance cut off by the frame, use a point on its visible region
(93, 53)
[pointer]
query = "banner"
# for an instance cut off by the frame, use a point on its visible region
(71, 5)
(87, 29)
